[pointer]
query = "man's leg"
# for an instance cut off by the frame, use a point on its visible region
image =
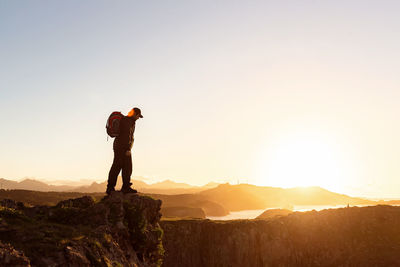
(127, 170)
(126, 174)
(114, 171)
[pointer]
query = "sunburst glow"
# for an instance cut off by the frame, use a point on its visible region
(305, 160)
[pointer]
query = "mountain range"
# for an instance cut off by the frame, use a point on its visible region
(184, 200)
(164, 187)
(240, 197)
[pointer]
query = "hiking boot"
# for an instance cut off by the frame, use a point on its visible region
(128, 189)
(109, 190)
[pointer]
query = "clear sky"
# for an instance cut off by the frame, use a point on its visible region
(276, 93)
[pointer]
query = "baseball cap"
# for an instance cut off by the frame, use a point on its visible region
(138, 111)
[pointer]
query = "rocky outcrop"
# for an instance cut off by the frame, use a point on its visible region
(273, 213)
(368, 236)
(119, 230)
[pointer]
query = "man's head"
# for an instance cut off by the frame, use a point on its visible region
(135, 113)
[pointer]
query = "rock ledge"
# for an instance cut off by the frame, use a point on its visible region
(119, 230)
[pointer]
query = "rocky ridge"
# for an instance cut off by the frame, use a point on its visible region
(274, 213)
(119, 230)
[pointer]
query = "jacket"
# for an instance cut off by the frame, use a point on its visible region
(124, 141)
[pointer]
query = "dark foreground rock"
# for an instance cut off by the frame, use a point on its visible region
(10, 257)
(368, 236)
(119, 230)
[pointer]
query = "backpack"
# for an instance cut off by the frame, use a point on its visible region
(113, 123)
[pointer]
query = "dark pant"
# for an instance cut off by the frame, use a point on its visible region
(124, 162)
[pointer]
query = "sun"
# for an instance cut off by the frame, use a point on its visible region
(304, 160)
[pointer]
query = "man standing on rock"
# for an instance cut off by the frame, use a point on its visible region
(122, 153)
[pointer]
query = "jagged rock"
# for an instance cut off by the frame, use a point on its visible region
(11, 257)
(121, 229)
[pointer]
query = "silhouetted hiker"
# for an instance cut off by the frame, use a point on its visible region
(122, 146)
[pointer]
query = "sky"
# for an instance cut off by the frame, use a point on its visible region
(273, 93)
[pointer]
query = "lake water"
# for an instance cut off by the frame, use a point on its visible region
(251, 214)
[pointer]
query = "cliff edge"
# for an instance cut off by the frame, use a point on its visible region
(119, 230)
(367, 236)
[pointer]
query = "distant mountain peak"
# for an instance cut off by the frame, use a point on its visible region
(171, 184)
